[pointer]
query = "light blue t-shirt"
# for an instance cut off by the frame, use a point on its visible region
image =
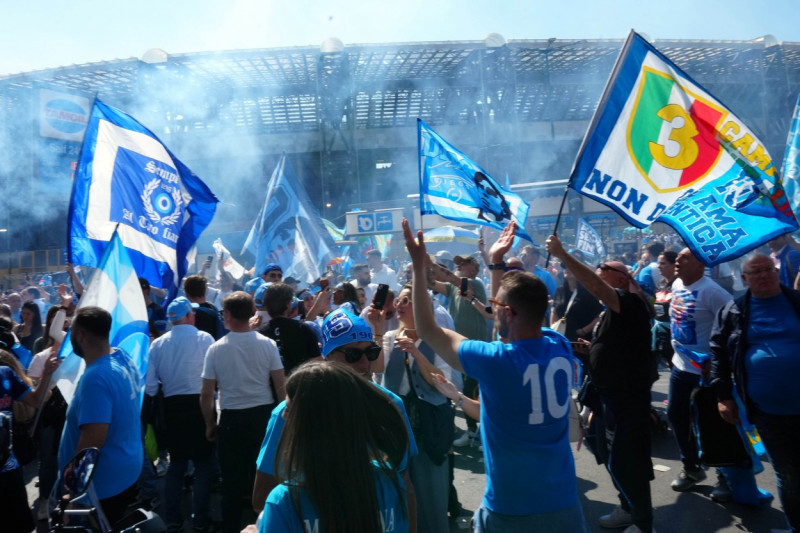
(525, 388)
(280, 515)
(772, 363)
(269, 446)
(546, 278)
(108, 393)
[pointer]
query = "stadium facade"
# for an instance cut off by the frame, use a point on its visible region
(346, 116)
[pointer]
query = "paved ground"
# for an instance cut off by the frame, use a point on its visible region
(674, 512)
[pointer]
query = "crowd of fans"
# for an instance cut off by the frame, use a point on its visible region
(331, 404)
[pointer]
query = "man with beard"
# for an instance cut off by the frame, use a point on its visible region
(104, 413)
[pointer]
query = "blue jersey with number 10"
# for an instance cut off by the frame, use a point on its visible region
(525, 388)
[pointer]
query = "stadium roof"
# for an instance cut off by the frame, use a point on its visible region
(390, 85)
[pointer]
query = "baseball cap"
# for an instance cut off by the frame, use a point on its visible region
(374, 251)
(179, 308)
(253, 284)
(289, 280)
(261, 291)
(343, 327)
(443, 255)
(272, 266)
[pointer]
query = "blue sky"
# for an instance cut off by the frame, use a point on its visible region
(49, 33)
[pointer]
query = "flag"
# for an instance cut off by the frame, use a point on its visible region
(289, 231)
(114, 286)
(791, 161)
(661, 148)
(127, 179)
(452, 186)
(588, 240)
(337, 233)
(226, 262)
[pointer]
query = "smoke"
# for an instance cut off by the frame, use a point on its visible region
(515, 118)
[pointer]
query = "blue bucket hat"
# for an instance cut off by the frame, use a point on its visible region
(343, 327)
(261, 291)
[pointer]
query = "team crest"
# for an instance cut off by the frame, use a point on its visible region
(672, 132)
(161, 202)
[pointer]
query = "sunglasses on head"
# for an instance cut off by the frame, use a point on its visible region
(353, 355)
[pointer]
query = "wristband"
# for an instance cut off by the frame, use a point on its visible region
(474, 299)
(497, 266)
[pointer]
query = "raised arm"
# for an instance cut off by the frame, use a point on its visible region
(585, 275)
(444, 342)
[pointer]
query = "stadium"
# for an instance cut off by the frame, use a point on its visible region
(345, 115)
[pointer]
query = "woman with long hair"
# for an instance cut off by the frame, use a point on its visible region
(408, 365)
(30, 328)
(337, 456)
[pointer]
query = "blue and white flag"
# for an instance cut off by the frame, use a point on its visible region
(126, 177)
(588, 240)
(790, 170)
(114, 286)
(662, 148)
(289, 231)
(452, 186)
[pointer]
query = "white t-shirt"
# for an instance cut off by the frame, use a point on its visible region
(691, 316)
(241, 364)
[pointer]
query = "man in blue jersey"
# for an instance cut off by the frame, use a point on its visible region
(754, 343)
(104, 413)
(349, 340)
(525, 398)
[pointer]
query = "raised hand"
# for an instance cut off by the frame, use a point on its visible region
(503, 243)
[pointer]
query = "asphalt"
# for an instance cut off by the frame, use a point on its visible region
(691, 511)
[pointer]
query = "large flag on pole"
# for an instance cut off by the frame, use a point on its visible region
(114, 286)
(451, 185)
(661, 148)
(587, 240)
(127, 178)
(289, 231)
(791, 161)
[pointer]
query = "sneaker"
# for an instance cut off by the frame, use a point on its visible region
(721, 492)
(688, 479)
(619, 517)
(465, 439)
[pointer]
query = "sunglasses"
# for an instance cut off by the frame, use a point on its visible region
(603, 266)
(497, 303)
(353, 355)
(405, 300)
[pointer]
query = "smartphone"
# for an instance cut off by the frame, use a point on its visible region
(379, 300)
(323, 283)
(464, 286)
(210, 258)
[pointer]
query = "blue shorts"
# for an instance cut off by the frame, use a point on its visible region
(568, 520)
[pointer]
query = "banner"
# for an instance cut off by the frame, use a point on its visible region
(452, 186)
(588, 240)
(289, 231)
(226, 262)
(791, 160)
(128, 179)
(114, 286)
(661, 148)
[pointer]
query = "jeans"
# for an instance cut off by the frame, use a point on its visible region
(679, 412)
(627, 426)
(781, 435)
(49, 437)
(201, 490)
